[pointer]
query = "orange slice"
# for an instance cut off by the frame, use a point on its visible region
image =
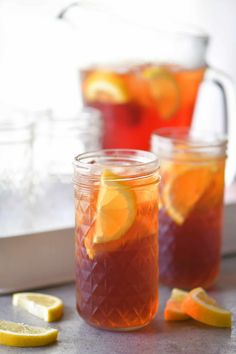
(215, 192)
(123, 213)
(106, 87)
(116, 209)
(184, 189)
(204, 309)
(173, 309)
(164, 89)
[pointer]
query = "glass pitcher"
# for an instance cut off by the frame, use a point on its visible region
(143, 78)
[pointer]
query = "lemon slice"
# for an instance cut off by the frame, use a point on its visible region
(47, 307)
(164, 89)
(106, 87)
(183, 190)
(178, 294)
(173, 309)
(204, 309)
(116, 209)
(21, 335)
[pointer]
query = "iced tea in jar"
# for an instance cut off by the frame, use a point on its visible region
(191, 206)
(116, 202)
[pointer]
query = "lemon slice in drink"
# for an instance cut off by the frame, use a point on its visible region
(173, 309)
(47, 307)
(106, 87)
(204, 309)
(183, 190)
(116, 209)
(164, 89)
(22, 335)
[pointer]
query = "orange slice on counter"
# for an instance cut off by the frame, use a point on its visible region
(184, 189)
(203, 308)
(106, 87)
(164, 89)
(173, 309)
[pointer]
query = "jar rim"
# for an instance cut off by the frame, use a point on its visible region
(184, 143)
(116, 160)
(195, 139)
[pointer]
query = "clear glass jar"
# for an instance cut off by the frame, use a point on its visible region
(116, 201)
(191, 207)
(68, 136)
(16, 154)
(16, 170)
(57, 140)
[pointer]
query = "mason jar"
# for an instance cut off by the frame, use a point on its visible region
(116, 206)
(191, 206)
(16, 171)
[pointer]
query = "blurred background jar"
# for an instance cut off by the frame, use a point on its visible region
(16, 167)
(58, 139)
(69, 136)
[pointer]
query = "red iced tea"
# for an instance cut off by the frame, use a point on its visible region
(191, 210)
(135, 100)
(116, 246)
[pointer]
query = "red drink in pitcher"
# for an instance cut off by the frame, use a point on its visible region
(135, 100)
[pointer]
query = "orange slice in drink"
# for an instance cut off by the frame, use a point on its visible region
(106, 87)
(203, 308)
(116, 209)
(124, 210)
(184, 189)
(215, 192)
(164, 89)
(173, 309)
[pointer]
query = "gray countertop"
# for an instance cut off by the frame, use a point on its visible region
(160, 337)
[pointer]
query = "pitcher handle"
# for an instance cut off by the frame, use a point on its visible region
(65, 9)
(228, 89)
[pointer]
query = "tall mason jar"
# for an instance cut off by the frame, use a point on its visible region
(116, 203)
(191, 206)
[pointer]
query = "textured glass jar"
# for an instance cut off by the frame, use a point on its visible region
(191, 208)
(16, 171)
(59, 138)
(116, 201)
(81, 133)
(16, 153)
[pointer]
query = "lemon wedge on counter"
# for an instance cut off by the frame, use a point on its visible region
(21, 335)
(47, 307)
(203, 308)
(173, 309)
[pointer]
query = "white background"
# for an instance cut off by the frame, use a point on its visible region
(37, 52)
